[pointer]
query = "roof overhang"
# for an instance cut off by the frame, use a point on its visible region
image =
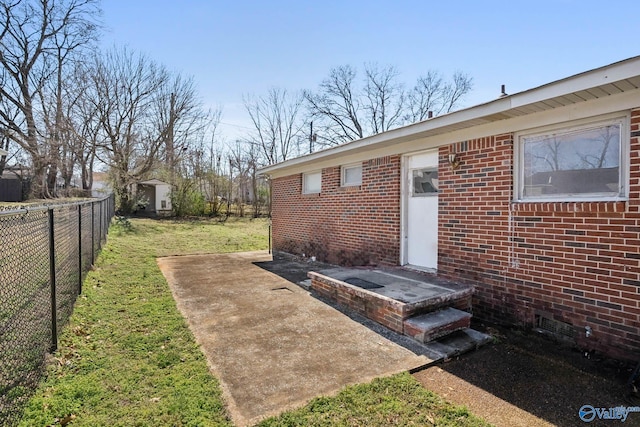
(616, 79)
(153, 182)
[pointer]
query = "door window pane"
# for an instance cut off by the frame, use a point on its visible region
(425, 182)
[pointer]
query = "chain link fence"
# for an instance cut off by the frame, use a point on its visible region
(45, 253)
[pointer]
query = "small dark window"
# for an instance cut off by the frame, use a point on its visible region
(163, 204)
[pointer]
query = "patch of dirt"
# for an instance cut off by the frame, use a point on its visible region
(543, 377)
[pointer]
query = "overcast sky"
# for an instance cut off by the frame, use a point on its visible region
(236, 47)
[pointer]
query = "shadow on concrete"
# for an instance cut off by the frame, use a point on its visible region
(291, 267)
(295, 270)
(543, 377)
(272, 346)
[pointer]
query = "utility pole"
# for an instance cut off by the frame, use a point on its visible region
(312, 138)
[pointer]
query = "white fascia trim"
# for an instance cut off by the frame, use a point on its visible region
(401, 134)
(588, 80)
(598, 107)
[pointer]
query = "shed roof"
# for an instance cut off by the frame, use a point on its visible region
(617, 78)
(153, 182)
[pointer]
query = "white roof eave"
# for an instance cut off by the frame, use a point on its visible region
(439, 124)
(153, 182)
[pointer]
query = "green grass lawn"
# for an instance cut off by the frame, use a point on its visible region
(127, 357)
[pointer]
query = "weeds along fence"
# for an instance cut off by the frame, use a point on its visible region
(45, 253)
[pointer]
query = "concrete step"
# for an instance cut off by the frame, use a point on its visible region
(305, 284)
(456, 343)
(430, 326)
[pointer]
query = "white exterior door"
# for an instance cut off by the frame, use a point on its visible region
(421, 231)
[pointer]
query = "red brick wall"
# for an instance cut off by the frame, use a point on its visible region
(578, 263)
(345, 225)
(387, 312)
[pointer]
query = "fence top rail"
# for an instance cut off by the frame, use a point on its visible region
(45, 207)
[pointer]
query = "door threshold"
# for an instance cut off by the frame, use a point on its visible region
(420, 268)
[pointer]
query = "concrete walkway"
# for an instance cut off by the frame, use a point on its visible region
(273, 346)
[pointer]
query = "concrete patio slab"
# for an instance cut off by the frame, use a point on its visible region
(271, 344)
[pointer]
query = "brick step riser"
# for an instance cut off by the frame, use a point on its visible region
(389, 313)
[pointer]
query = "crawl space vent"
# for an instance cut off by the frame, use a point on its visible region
(555, 327)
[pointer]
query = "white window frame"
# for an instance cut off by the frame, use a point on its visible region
(623, 162)
(343, 175)
(305, 178)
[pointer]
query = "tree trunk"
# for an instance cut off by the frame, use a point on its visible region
(38, 178)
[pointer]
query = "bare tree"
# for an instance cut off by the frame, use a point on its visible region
(196, 179)
(127, 89)
(36, 39)
(5, 139)
(432, 93)
(277, 124)
(4, 145)
(238, 182)
(68, 45)
(229, 189)
(214, 180)
(255, 183)
(454, 92)
(216, 184)
(58, 108)
(427, 95)
(337, 106)
(180, 116)
(86, 126)
(384, 98)
(345, 111)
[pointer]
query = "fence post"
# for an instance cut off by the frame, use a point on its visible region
(79, 249)
(52, 279)
(93, 238)
(101, 220)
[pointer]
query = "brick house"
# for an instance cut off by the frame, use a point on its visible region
(533, 198)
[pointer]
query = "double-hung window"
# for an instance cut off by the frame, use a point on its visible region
(587, 161)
